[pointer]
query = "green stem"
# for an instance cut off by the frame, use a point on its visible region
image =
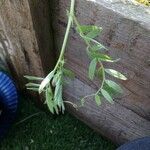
(87, 96)
(66, 34)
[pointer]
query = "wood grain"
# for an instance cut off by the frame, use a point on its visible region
(26, 32)
(127, 35)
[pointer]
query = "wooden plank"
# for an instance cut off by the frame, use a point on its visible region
(113, 121)
(26, 37)
(128, 36)
(41, 17)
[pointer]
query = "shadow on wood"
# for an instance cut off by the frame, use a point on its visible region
(26, 42)
(127, 34)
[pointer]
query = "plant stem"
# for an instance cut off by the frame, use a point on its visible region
(87, 96)
(70, 19)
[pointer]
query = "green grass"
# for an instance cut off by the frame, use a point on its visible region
(46, 132)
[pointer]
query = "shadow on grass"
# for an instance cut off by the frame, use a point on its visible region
(47, 132)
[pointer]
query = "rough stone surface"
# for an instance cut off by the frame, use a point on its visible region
(126, 32)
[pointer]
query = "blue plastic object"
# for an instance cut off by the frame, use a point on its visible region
(8, 103)
(139, 144)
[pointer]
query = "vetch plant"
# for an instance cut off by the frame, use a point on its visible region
(52, 85)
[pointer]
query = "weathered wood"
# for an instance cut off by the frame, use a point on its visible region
(41, 17)
(113, 121)
(26, 37)
(127, 34)
(25, 41)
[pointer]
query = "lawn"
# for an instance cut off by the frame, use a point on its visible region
(47, 132)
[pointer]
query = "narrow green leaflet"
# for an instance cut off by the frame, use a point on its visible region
(59, 98)
(56, 109)
(97, 47)
(32, 85)
(84, 29)
(100, 73)
(92, 69)
(98, 100)
(88, 31)
(33, 89)
(58, 93)
(107, 96)
(88, 28)
(110, 90)
(94, 33)
(33, 78)
(46, 81)
(56, 78)
(63, 107)
(102, 57)
(49, 100)
(114, 85)
(55, 105)
(115, 74)
(108, 59)
(82, 102)
(57, 88)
